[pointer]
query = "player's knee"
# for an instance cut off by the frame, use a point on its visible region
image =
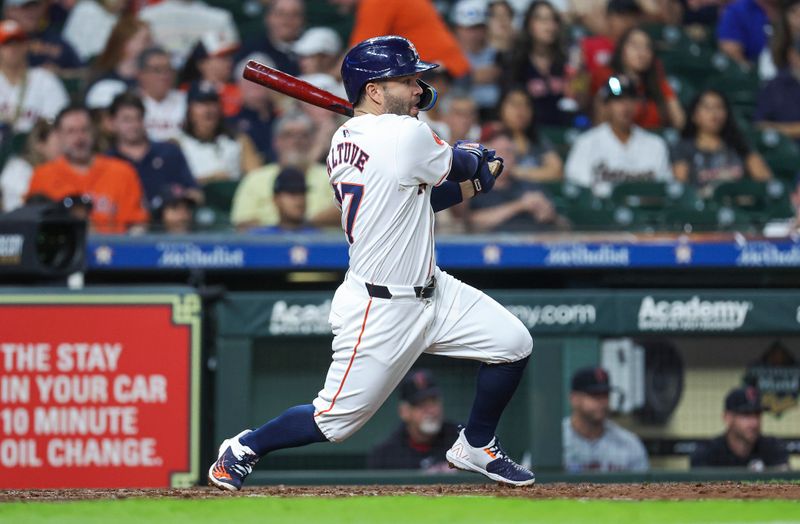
(519, 342)
(337, 431)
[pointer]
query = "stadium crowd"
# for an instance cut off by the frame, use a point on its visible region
(636, 115)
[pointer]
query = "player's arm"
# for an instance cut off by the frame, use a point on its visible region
(449, 193)
(472, 171)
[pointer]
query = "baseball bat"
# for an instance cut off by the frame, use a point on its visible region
(294, 87)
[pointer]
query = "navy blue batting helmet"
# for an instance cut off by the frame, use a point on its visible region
(380, 57)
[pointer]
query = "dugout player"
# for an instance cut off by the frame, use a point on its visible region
(390, 173)
(742, 445)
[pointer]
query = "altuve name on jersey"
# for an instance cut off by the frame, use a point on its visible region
(349, 153)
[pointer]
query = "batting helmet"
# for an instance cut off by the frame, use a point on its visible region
(381, 57)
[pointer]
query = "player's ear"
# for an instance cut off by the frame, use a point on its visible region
(404, 411)
(374, 92)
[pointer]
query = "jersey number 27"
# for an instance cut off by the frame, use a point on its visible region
(355, 192)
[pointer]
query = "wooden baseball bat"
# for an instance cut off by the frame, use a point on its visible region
(295, 88)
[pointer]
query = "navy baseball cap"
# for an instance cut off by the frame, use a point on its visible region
(290, 180)
(592, 380)
(418, 386)
(617, 87)
(744, 401)
(202, 92)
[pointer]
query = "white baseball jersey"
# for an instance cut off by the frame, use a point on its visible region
(598, 157)
(44, 97)
(163, 119)
(382, 169)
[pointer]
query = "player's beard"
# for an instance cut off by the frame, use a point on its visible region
(397, 106)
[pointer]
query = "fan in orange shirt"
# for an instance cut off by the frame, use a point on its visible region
(112, 184)
(417, 20)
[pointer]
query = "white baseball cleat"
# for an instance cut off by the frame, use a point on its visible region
(234, 462)
(490, 461)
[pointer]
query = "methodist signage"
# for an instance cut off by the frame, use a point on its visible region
(99, 390)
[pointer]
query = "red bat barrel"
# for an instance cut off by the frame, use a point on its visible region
(295, 88)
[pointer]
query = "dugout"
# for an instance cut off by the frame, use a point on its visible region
(672, 355)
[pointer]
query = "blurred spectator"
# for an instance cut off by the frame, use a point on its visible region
(713, 149)
(441, 80)
(701, 12)
(462, 119)
(744, 28)
(98, 102)
(742, 444)
(173, 209)
(591, 442)
(513, 205)
(46, 47)
(779, 101)
(253, 204)
(283, 24)
(785, 34)
(536, 159)
(469, 19)
(41, 146)
(26, 93)
(257, 114)
(416, 20)
(158, 164)
(500, 26)
(617, 150)
(635, 58)
(213, 154)
(165, 107)
(118, 65)
(424, 436)
(620, 17)
(325, 122)
(289, 197)
(538, 65)
(89, 25)
(211, 62)
(318, 51)
(112, 184)
(177, 25)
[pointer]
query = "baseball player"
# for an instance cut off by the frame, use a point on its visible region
(390, 173)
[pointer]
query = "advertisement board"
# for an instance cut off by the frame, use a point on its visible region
(99, 390)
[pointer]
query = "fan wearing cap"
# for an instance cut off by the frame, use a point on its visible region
(26, 93)
(617, 150)
(211, 62)
(592, 442)
(47, 48)
(173, 209)
(289, 197)
(424, 436)
(318, 51)
(742, 445)
(469, 25)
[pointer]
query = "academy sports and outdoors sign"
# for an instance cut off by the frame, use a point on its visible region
(99, 391)
(544, 312)
(150, 252)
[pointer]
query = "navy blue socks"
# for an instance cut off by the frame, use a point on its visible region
(295, 427)
(496, 386)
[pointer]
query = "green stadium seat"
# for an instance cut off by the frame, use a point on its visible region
(780, 152)
(561, 137)
(756, 202)
(219, 195)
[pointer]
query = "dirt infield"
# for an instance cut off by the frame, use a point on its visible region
(650, 491)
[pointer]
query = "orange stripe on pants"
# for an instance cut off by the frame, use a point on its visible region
(352, 358)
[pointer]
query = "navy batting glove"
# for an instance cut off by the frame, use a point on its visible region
(483, 182)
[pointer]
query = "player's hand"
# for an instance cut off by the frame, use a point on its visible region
(490, 166)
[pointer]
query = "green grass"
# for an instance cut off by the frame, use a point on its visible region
(408, 509)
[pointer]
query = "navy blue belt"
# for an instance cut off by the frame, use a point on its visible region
(383, 291)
